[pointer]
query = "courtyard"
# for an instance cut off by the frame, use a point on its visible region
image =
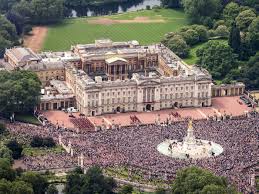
(220, 105)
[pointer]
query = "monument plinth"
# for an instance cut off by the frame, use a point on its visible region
(190, 147)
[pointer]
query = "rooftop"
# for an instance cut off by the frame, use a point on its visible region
(114, 59)
(22, 54)
(45, 65)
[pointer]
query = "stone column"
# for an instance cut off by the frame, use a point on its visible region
(69, 146)
(82, 160)
(72, 152)
(59, 139)
(83, 64)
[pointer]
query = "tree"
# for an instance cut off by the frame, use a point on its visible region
(42, 142)
(17, 19)
(222, 31)
(244, 19)
(160, 191)
(20, 91)
(3, 45)
(5, 186)
(52, 190)
(73, 184)
(48, 142)
(211, 33)
(253, 33)
(27, 29)
(171, 3)
(246, 50)
(178, 45)
(230, 12)
(38, 182)
(201, 11)
(47, 11)
(217, 57)
(250, 74)
(202, 32)
(218, 23)
(6, 153)
(7, 30)
(95, 182)
(16, 148)
(213, 189)
(6, 5)
(126, 189)
(251, 3)
(8, 35)
(21, 187)
(6, 172)
(23, 8)
(191, 37)
(92, 182)
(197, 180)
(36, 141)
(234, 40)
(2, 128)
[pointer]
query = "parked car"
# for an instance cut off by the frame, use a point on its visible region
(72, 109)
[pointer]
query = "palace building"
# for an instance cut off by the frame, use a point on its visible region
(109, 77)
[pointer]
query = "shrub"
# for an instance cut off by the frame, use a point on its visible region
(42, 142)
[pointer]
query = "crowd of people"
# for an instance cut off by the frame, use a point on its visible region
(136, 147)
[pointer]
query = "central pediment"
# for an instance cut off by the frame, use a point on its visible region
(149, 82)
(115, 59)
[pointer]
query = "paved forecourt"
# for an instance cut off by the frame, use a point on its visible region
(220, 105)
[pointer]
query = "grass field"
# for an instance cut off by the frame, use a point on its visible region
(25, 118)
(79, 30)
(29, 151)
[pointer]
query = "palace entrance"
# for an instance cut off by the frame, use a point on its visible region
(148, 107)
(176, 105)
(118, 109)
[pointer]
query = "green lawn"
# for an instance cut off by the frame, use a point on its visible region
(257, 183)
(29, 151)
(192, 58)
(74, 31)
(25, 118)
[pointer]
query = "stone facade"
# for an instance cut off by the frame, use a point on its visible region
(235, 89)
(129, 77)
(141, 93)
(108, 77)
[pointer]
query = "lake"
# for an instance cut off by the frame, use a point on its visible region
(111, 8)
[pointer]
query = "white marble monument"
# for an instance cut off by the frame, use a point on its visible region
(190, 147)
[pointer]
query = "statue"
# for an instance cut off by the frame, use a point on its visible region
(190, 124)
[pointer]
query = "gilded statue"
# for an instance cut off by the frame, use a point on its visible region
(190, 124)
